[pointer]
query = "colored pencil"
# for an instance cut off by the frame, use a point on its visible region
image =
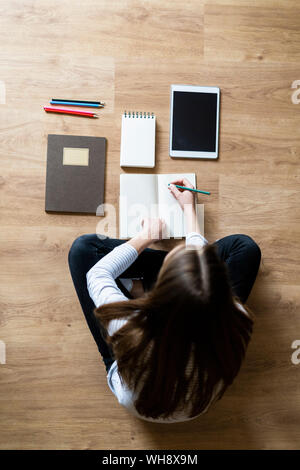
(190, 189)
(77, 103)
(69, 111)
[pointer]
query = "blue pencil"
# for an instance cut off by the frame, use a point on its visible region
(77, 103)
(191, 189)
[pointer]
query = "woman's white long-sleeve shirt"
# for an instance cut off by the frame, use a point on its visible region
(103, 289)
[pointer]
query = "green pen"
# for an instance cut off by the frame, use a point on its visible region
(190, 189)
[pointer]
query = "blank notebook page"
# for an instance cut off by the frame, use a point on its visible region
(138, 140)
(138, 195)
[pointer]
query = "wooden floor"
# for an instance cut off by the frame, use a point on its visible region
(53, 391)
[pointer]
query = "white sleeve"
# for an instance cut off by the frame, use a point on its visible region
(101, 277)
(195, 238)
(115, 325)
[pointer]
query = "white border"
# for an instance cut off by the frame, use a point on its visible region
(194, 154)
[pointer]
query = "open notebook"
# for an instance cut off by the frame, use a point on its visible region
(148, 196)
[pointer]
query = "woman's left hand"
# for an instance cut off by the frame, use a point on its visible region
(153, 229)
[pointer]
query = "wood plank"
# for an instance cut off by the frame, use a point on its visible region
(54, 392)
(252, 33)
(128, 27)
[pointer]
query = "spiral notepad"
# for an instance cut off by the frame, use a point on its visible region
(138, 139)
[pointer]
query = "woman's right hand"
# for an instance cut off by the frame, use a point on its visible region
(183, 196)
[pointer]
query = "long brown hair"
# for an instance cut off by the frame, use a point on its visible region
(182, 338)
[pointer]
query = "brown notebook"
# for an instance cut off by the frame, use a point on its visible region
(75, 174)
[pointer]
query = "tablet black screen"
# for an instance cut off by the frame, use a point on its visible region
(194, 121)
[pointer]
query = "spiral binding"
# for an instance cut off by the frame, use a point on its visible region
(138, 115)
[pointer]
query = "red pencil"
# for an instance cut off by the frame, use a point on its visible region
(69, 111)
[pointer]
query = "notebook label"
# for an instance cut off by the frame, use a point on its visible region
(75, 156)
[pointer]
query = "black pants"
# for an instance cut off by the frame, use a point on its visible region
(240, 253)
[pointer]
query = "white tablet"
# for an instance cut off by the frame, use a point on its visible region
(194, 121)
